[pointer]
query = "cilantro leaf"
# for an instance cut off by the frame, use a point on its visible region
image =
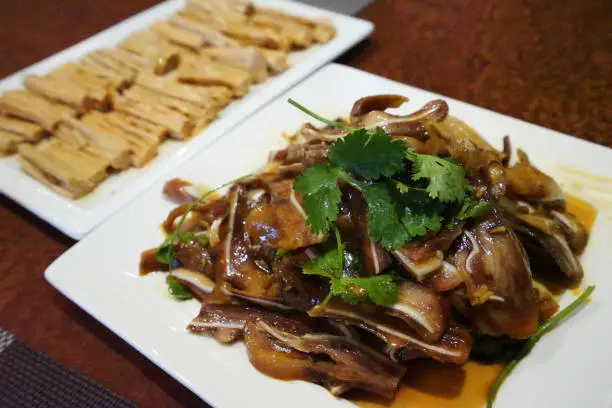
(165, 253)
(380, 290)
(384, 224)
(473, 209)
(319, 188)
(419, 212)
(368, 154)
(329, 265)
(419, 222)
(446, 179)
(177, 291)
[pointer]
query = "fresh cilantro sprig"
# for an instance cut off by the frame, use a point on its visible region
(385, 156)
(176, 290)
(166, 252)
(446, 179)
(321, 196)
(397, 211)
(380, 290)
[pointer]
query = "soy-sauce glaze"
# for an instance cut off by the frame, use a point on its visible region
(430, 384)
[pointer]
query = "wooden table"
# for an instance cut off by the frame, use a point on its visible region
(543, 63)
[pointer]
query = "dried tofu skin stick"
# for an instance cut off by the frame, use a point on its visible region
(93, 67)
(142, 94)
(34, 108)
(297, 35)
(122, 60)
(54, 172)
(90, 168)
(27, 130)
(179, 35)
(9, 142)
(236, 8)
(142, 149)
(117, 149)
(322, 30)
(61, 90)
(180, 127)
(209, 35)
(248, 58)
(201, 96)
(205, 71)
(276, 60)
(143, 128)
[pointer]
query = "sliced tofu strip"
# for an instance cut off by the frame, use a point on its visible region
(9, 142)
(93, 67)
(62, 90)
(296, 34)
(57, 174)
(27, 130)
(248, 58)
(205, 71)
(90, 167)
(204, 97)
(122, 60)
(243, 32)
(230, 7)
(140, 93)
(70, 135)
(210, 35)
(98, 89)
(151, 50)
(180, 127)
(277, 60)
(33, 107)
(322, 29)
(104, 61)
(117, 149)
(180, 35)
(142, 128)
(143, 150)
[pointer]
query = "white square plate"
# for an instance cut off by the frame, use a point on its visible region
(77, 217)
(568, 368)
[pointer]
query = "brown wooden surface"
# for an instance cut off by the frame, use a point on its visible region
(548, 62)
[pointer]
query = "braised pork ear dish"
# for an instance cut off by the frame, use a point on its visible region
(109, 111)
(371, 242)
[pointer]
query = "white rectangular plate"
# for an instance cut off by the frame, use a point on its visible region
(77, 217)
(568, 368)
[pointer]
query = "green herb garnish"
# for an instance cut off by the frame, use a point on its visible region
(402, 204)
(380, 290)
(446, 179)
(547, 326)
(176, 290)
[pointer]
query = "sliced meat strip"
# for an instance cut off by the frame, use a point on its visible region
(322, 358)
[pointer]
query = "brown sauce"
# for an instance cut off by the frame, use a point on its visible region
(430, 384)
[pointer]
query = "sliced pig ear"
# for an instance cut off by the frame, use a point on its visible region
(499, 298)
(369, 113)
(347, 364)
